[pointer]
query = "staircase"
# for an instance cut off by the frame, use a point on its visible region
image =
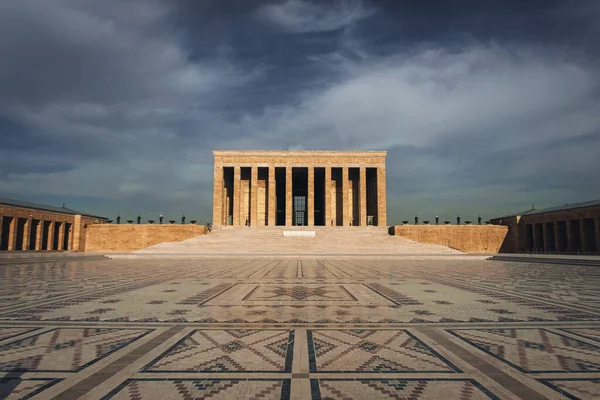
(270, 240)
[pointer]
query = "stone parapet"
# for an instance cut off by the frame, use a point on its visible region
(467, 238)
(129, 237)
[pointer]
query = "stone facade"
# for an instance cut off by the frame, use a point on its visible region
(467, 238)
(567, 229)
(131, 237)
(30, 226)
(306, 188)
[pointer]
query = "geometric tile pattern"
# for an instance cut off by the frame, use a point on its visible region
(370, 328)
(399, 389)
(589, 333)
(65, 349)
(575, 388)
(6, 333)
(19, 389)
(231, 350)
(372, 351)
(534, 350)
(188, 389)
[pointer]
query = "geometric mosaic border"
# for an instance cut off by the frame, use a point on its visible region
(315, 388)
(548, 382)
(29, 330)
(312, 357)
(478, 346)
(289, 355)
(4, 384)
(285, 384)
(573, 331)
(125, 343)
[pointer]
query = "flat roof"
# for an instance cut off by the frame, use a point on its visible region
(258, 153)
(44, 207)
(564, 207)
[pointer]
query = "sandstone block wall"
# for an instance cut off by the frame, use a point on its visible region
(126, 237)
(467, 238)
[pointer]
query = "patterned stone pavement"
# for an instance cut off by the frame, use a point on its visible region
(298, 328)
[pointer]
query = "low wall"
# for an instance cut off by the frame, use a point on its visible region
(130, 237)
(467, 238)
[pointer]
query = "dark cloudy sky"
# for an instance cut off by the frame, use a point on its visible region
(485, 107)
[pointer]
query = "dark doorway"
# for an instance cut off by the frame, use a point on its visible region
(372, 206)
(300, 190)
(575, 235)
(56, 235)
(21, 222)
(6, 221)
(35, 225)
(67, 236)
(337, 198)
(45, 235)
(539, 237)
(561, 236)
(320, 197)
(529, 237)
(354, 186)
(228, 189)
(280, 184)
(550, 245)
(589, 235)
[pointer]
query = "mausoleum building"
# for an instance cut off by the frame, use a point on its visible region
(299, 188)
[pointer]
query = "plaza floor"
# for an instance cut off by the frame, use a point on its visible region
(447, 327)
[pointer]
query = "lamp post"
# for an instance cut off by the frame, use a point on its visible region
(183, 219)
(118, 218)
(139, 219)
(437, 220)
(479, 219)
(416, 220)
(160, 219)
(458, 220)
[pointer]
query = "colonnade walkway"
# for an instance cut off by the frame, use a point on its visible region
(327, 241)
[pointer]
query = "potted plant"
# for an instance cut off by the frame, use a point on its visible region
(109, 221)
(487, 222)
(171, 221)
(193, 221)
(150, 221)
(446, 222)
(467, 222)
(404, 222)
(426, 222)
(130, 221)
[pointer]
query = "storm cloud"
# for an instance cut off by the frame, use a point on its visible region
(115, 107)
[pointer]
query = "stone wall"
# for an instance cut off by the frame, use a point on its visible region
(129, 237)
(467, 238)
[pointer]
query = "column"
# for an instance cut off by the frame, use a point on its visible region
(50, 240)
(12, 233)
(345, 197)
(71, 240)
(556, 239)
(272, 194)
(584, 240)
(597, 221)
(61, 235)
(77, 232)
(254, 196)
(1, 222)
(381, 197)
(288, 196)
(534, 237)
(218, 195)
(328, 217)
(237, 177)
(310, 207)
(39, 235)
(27, 233)
(568, 223)
(545, 237)
(362, 198)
